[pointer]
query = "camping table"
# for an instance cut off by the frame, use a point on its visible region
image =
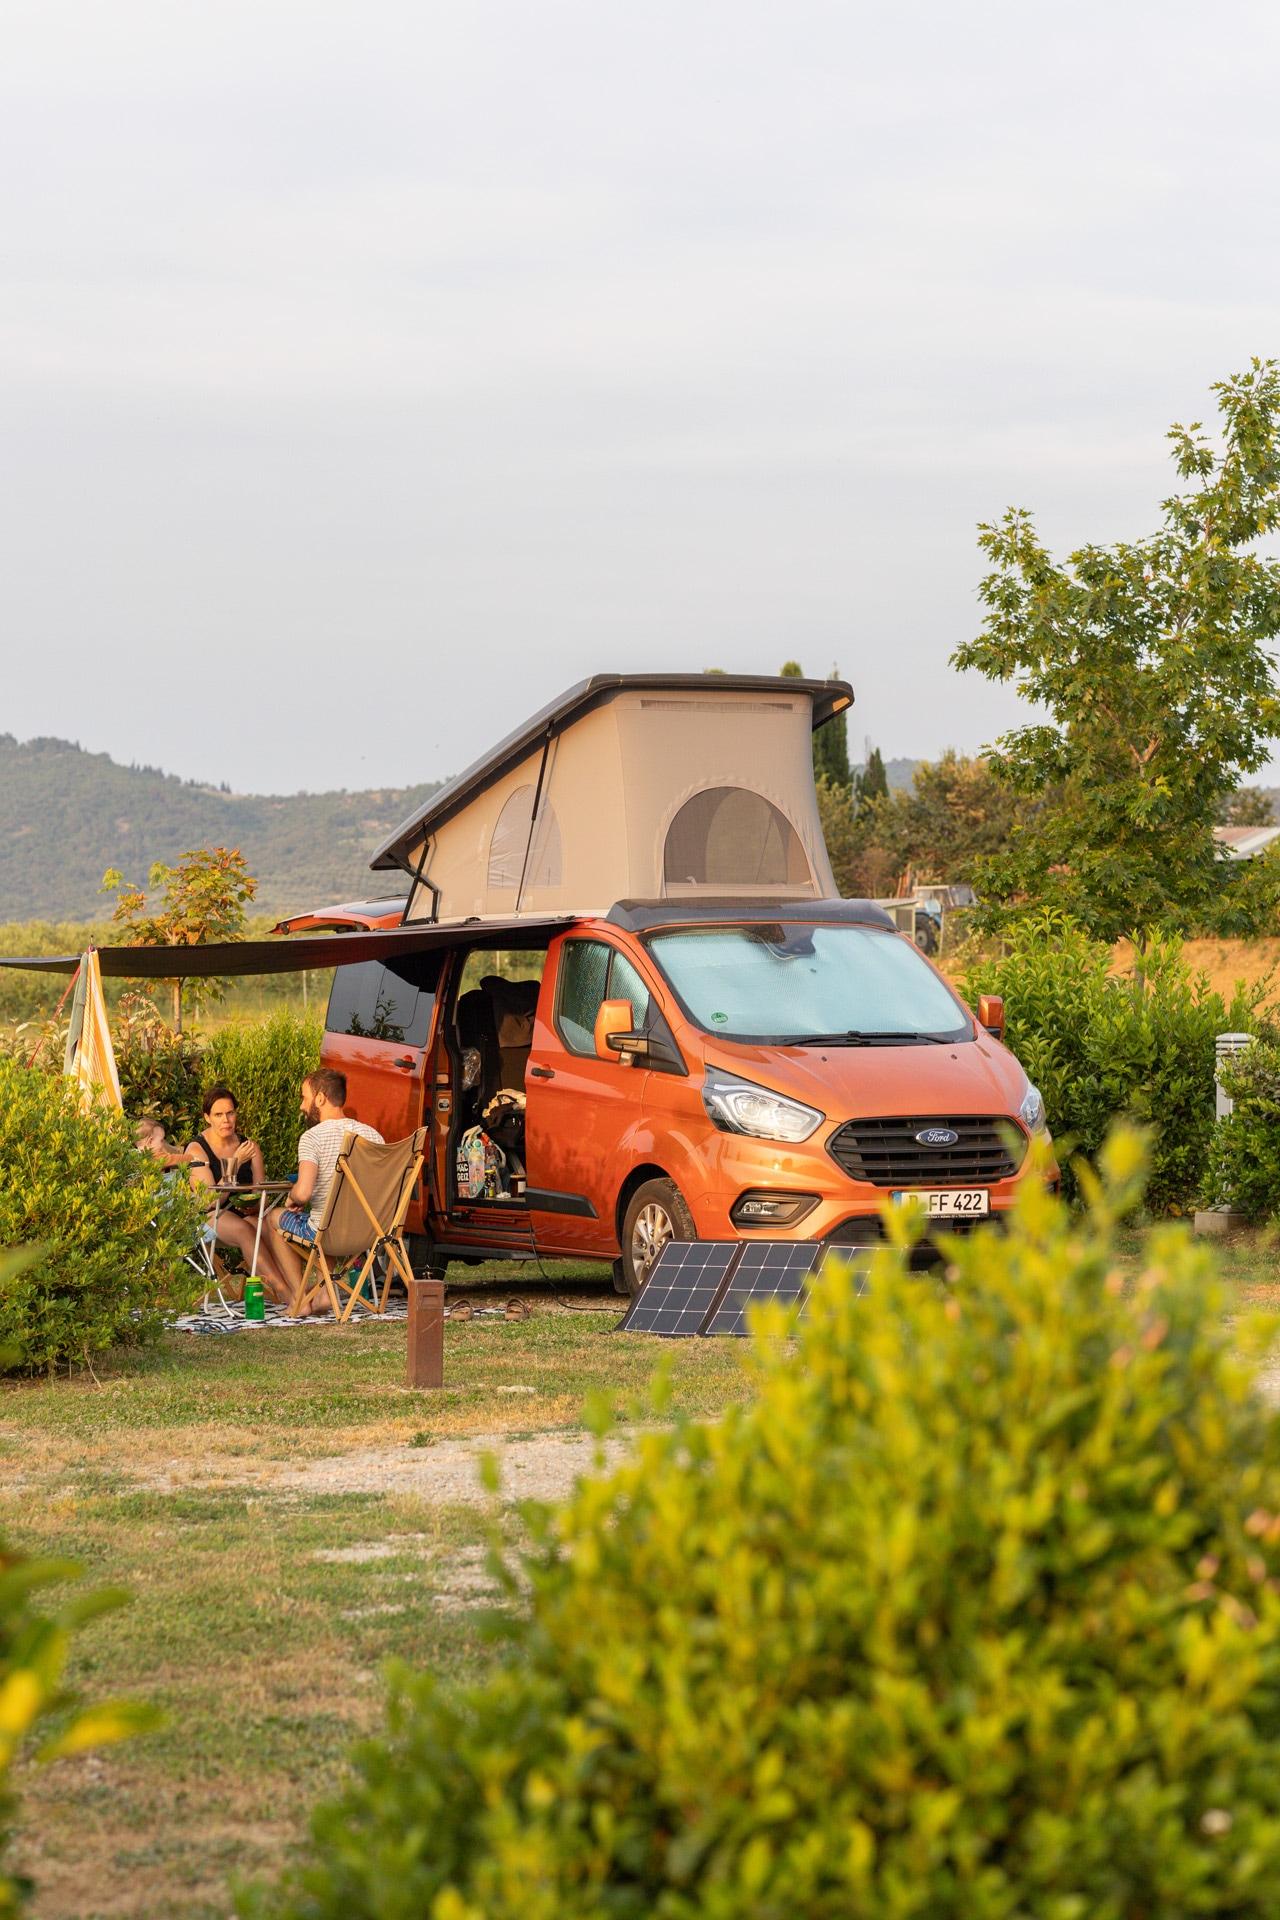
(262, 1189)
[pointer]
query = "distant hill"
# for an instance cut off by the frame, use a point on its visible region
(900, 773)
(66, 816)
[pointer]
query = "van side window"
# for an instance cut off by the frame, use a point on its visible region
(584, 971)
(373, 1001)
(625, 984)
(591, 972)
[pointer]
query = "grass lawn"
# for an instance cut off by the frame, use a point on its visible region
(287, 1516)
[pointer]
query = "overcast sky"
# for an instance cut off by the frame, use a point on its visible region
(370, 373)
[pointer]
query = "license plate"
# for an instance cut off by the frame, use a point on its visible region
(949, 1202)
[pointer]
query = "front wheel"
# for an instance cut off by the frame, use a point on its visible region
(657, 1214)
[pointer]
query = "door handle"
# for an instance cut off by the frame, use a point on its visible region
(542, 1073)
(405, 1060)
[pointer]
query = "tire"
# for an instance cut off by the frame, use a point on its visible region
(656, 1214)
(926, 936)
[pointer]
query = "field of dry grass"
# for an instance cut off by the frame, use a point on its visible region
(1255, 962)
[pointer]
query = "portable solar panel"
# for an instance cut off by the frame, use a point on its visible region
(681, 1288)
(705, 1286)
(766, 1270)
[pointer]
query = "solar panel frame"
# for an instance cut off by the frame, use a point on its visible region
(682, 1288)
(766, 1270)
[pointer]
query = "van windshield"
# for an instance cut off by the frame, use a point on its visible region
(802, 983)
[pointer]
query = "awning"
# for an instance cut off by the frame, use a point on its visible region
(295, 954)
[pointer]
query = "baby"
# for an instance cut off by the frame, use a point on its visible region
(149, 1137)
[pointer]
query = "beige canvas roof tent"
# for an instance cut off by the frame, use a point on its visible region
(631, 786)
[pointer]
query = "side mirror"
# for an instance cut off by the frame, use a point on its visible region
(991, 1014)
(614, 1021)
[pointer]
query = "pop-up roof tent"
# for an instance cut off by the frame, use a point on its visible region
(631, 786)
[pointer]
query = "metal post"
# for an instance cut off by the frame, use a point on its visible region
(1226, 1046)
(1223, 1219)
(426, 1333)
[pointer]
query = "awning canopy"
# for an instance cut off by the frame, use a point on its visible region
(295, 954)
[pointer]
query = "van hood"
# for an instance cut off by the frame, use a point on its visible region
(846, 1083)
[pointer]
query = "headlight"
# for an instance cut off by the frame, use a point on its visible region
(1031, 1112)
(738, 1106)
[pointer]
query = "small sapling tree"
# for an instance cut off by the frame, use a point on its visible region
(202, 899)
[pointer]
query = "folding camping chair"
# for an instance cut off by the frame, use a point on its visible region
(363, 1214)
(207, 1263)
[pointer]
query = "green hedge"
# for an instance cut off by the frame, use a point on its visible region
(972, 1612)
(1102, 1045)
(265, 1064)
(110, 1227)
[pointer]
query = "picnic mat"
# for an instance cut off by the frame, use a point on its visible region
(230, 1319)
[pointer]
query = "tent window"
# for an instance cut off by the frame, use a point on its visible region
(511, 837)
(731, 837)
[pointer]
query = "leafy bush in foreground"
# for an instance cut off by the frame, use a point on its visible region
(972, 1613)
(111, 1228)
(1102, 1045)
(1244, 1162)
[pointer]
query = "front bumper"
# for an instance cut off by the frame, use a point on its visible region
(839, 1209)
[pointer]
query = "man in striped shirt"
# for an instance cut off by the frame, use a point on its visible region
(324, 1095)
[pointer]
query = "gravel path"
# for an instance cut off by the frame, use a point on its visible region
(540, 1466)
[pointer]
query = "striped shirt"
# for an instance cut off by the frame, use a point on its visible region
(322, 1145)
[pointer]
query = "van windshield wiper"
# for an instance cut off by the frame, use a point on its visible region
(855, 1037)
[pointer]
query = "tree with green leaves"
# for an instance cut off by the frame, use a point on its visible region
(830, 742)
(954, 815)
(1149, 660)
(1247, 807)
(872, 783)
(202, 899)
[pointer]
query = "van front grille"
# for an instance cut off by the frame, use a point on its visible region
(886, 1153)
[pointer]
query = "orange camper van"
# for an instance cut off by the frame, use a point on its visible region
(638, 1012)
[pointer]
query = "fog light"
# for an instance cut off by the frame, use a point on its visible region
(761, 1209)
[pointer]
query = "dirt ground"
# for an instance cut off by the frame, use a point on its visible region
(536, 1466)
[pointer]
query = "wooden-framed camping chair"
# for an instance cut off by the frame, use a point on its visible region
(364, 1215)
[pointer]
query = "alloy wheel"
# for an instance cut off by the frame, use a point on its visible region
(652, 1230)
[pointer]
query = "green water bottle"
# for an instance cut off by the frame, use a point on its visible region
(255, 1303)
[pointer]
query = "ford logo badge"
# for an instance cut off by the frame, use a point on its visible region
(938, 1137)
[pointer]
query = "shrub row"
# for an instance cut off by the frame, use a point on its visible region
(263, 1062)
(109, 1229)
(971, 1611)
(1102, 1045)
(112, 1228)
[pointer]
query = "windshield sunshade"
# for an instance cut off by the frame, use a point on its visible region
(808, 984)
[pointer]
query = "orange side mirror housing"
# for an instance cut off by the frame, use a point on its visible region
(991, 1014)
(613, 1017)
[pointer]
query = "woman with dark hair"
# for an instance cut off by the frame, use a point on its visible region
(220, 1157)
